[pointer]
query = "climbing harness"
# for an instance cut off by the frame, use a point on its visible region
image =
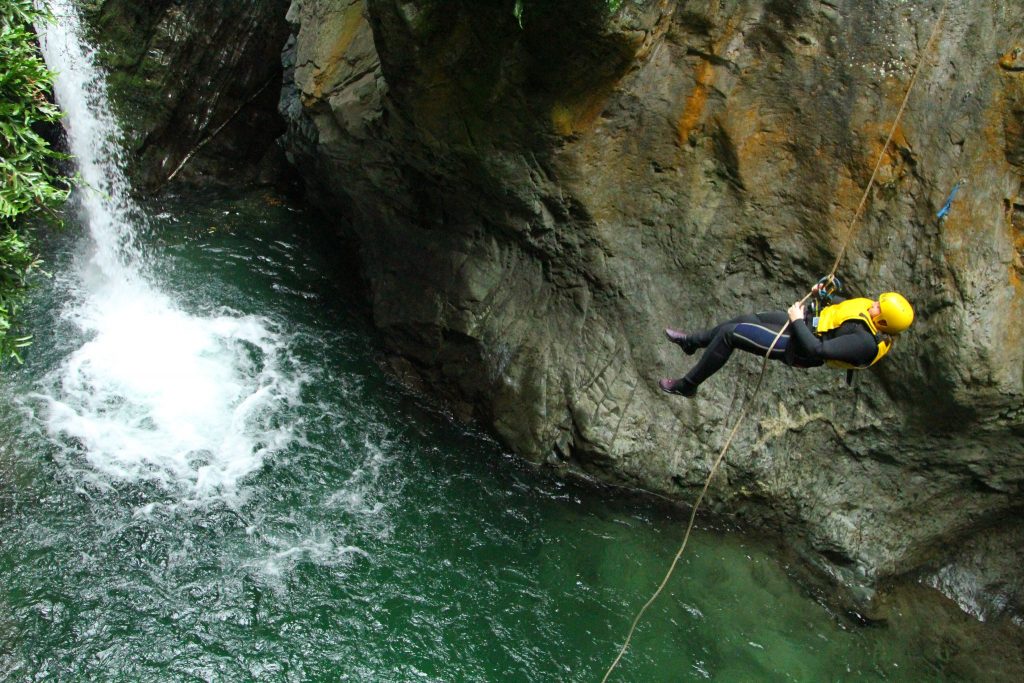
(829, 280)
(828, 286)
(944, 211)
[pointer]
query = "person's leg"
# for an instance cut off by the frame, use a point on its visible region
(704, 338)
(689, 343)
(778, 318)
(754, 333)
(758, 338)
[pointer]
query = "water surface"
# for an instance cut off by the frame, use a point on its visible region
(205, 475)
(337, 527)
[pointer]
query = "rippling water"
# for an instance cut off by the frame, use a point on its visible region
(204, 475)
(346, 531)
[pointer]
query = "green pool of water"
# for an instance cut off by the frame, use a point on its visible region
(347, 530)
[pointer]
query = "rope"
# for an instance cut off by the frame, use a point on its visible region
(218, 129)
(707, 484)
(850, 233)
(852, 229)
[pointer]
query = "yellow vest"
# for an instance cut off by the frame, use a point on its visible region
(831, 317)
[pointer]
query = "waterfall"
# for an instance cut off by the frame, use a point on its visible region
(94, 140)
(154, 393)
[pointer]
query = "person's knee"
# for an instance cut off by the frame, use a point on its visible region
(758, 339)
(772, 318)
(745, 318)
(726, 335)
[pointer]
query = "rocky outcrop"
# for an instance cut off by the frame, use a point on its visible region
(195, 85)
(536, 197)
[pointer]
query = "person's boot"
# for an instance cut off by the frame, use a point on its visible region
(679, 387)
(683, 340)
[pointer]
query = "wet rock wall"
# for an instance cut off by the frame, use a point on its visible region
(536, 195)
(195, 85)
(535, 200)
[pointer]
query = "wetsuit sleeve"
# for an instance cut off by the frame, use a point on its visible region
(856, 347)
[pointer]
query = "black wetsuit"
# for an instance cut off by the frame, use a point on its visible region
(852, 342)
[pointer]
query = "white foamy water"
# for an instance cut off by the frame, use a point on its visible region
(155, 393)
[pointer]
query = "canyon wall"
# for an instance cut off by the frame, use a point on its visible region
(538, 189)
(538, 196)
(195, 86)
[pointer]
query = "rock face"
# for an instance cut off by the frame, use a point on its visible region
(196, 85)
(537, 197)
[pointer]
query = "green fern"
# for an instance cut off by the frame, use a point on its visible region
(30, 184)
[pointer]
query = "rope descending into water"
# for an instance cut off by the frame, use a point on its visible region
(850, 233)
(852, 229)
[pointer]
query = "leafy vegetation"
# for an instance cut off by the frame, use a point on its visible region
(30, 184)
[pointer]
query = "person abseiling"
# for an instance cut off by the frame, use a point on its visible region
(847, 333)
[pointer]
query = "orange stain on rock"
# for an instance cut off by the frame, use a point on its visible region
(696, 102)
(580, 114)
(1013, 60)
(352, 20)
(763, 149)
(891, 167)
(704, 79)
(1015, 222)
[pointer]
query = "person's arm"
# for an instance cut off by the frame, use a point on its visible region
(858, 347)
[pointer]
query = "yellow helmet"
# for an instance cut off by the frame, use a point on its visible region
(896, 315)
